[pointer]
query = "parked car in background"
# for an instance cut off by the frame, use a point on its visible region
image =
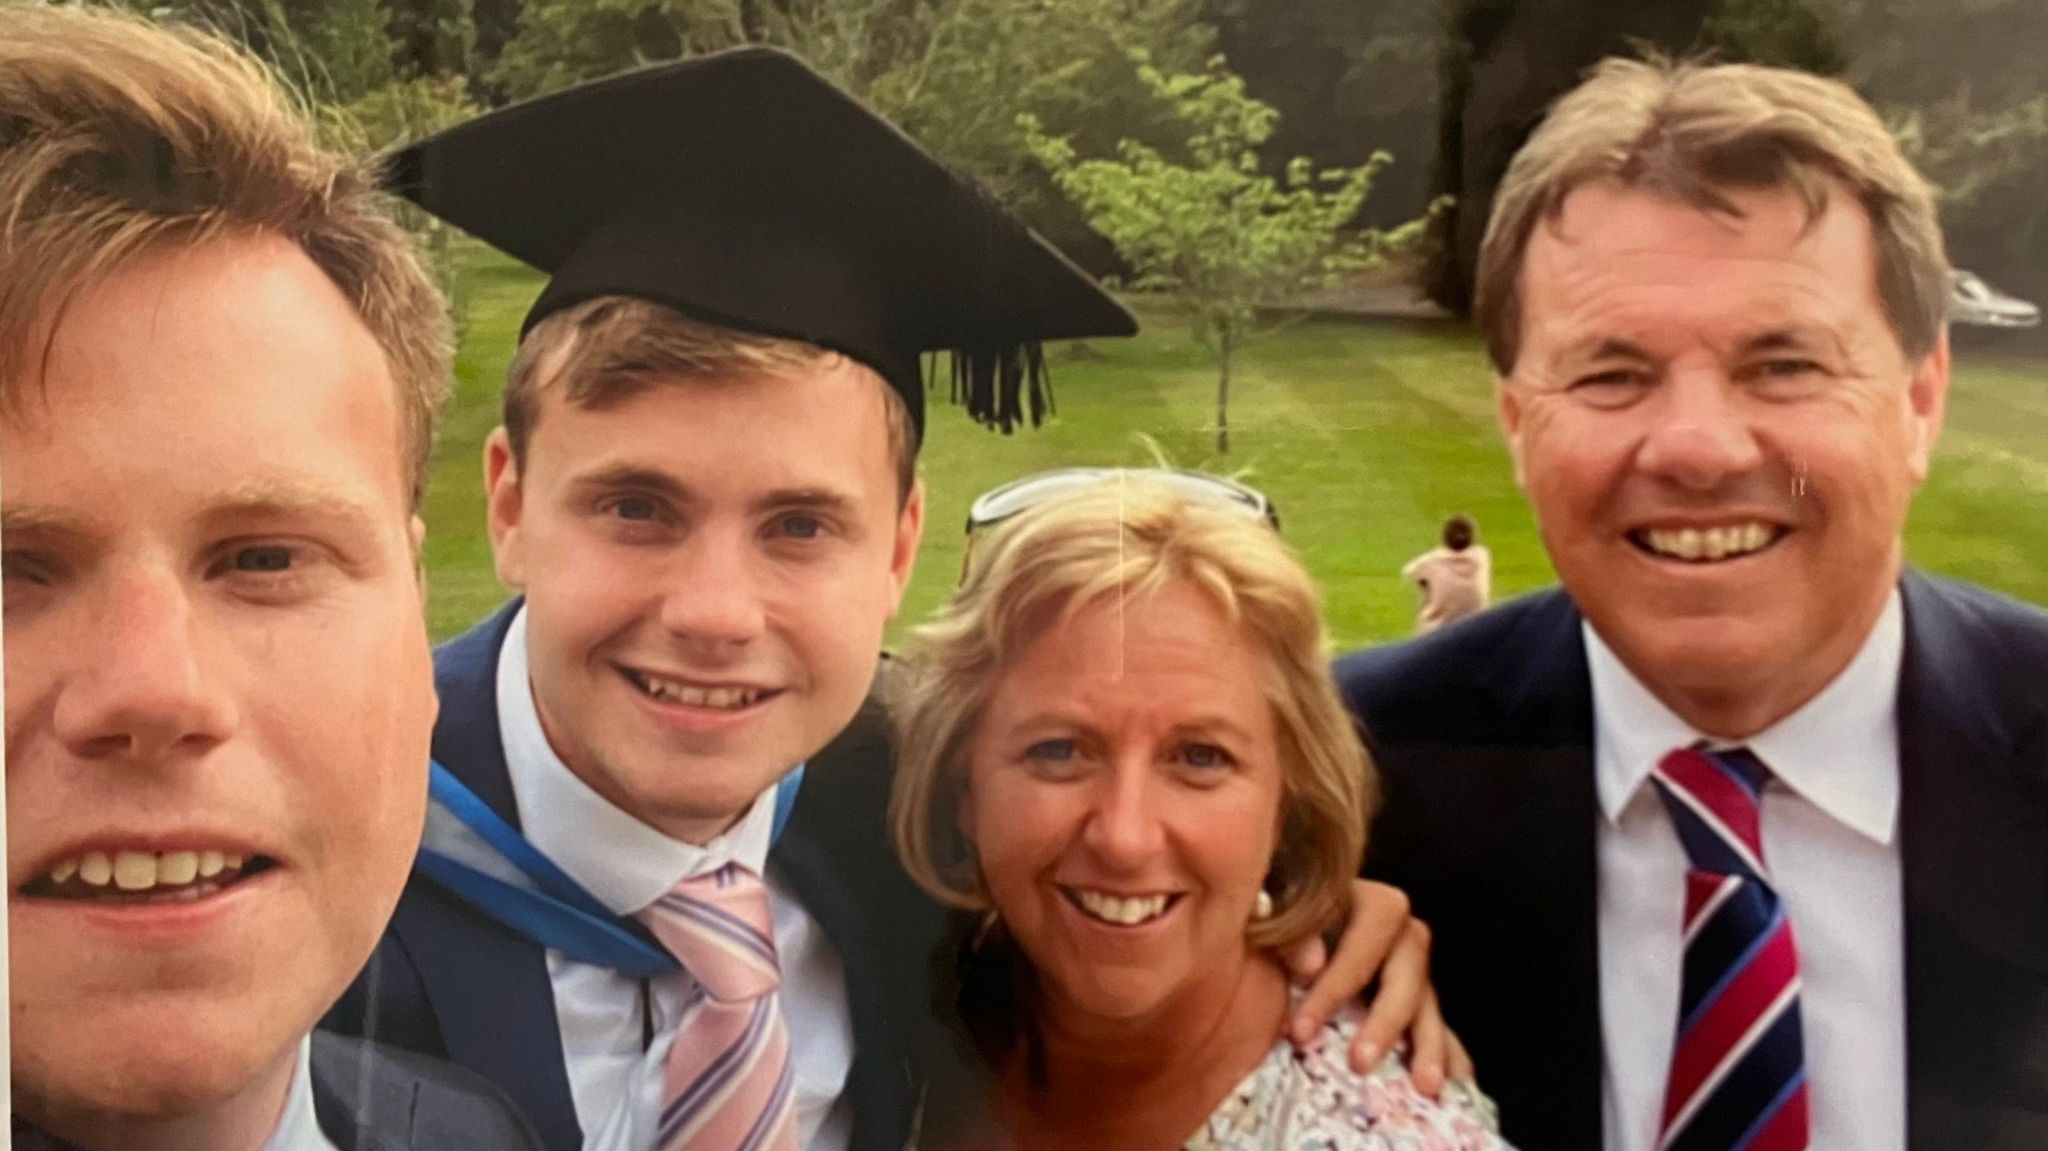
(1972, 301)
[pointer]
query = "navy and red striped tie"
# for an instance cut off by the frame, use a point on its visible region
(1738, 1065)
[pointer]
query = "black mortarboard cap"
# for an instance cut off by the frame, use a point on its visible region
(742, 188)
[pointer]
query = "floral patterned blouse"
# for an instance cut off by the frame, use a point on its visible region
(1313, 1101)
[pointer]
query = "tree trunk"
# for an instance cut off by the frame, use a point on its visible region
(1223, 344)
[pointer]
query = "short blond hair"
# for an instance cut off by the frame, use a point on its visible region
(1135, 536)
(119, 137)
(1692, 131)
(607, 349)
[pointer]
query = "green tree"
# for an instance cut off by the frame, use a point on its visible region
(338, 51)
(434, 37)
(368, 90)
(1215, 231)
(1504, 61)
(395, 115)
(1805, 34)
(850, 41)
(970, 67)
(564, 42)
(955, 74)
(1341, 73)
(331, 52)
(348, 46)
(1962, 85)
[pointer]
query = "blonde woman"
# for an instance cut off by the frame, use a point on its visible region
(1122, 753)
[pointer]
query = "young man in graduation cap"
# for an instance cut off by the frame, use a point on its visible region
(651, 908)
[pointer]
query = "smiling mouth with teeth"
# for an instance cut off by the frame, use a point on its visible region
(1707, 545)
(693, 695)
(1117, 910)
(144, 876)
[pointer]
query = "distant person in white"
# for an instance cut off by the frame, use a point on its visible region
(1455, 579)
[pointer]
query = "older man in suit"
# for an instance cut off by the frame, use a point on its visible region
(1740, 840)
(219, 364)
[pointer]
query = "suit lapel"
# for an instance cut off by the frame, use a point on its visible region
(1972, 841)
(1551, 821)
(360, 1103)
(345, 1118)
(877, 1083)
(489, 987)
(1488, 824)
(835, 854)
(1961, 725)
(466, 738)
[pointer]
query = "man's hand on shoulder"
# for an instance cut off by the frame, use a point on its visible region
(1381, 943)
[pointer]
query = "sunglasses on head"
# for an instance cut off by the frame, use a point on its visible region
(1019, 496)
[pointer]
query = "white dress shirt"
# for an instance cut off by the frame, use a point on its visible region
(1830, 824)
(298, 1125)
(615, 1079)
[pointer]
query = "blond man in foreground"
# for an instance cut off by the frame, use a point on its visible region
(219, 369)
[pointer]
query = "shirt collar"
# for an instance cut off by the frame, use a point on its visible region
(298, 1128)
(1839, 751)
(625, 863)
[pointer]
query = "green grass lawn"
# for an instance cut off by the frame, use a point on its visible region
(1366, 434)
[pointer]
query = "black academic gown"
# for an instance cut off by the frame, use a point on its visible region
(449, 981)
(1484, 734)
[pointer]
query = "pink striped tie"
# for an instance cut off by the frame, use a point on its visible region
(727, 1085)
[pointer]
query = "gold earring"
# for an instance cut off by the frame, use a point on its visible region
(990, 921)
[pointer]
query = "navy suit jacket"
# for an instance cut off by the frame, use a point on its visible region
(449, 981)
(371, 1098)
(1484, 736)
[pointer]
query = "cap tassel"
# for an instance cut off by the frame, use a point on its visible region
(1002, 388)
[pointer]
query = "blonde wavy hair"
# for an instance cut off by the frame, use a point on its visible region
(1693, 131)
(119, 137)
(1132, 535)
